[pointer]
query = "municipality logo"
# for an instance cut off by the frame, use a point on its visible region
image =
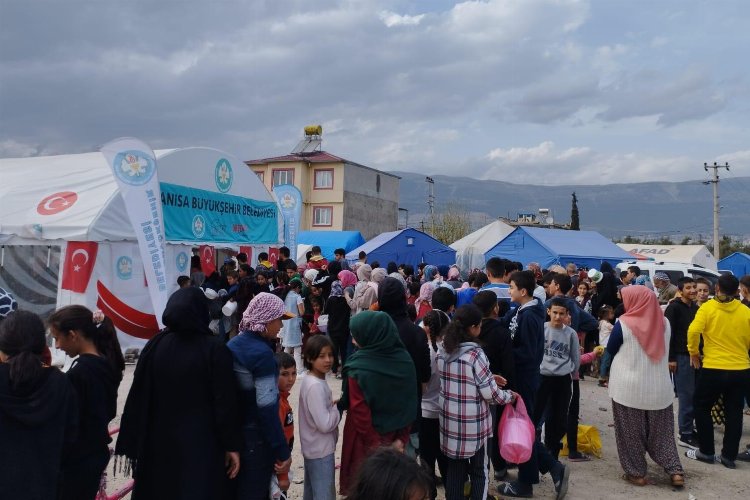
(124, 268)
(182, 262)
(199, 226)
(288, 202)
(134, 167)
(223, 175)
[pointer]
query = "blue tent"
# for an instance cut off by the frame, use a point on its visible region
(738, 263)
(558, 246)
(407, 246)
(328, 241)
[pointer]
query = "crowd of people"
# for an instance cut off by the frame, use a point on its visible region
(426, 359)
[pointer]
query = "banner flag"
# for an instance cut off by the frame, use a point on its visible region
(290, 201)
(79, 263)
(134, 167)
(208, 259)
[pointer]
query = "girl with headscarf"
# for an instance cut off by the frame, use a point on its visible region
(379, 392)
(454, 277)
(265, 450)
(339, 313)
(424, 301)
(180, 429)
(429, 273)
(364, 294)
(641, 389)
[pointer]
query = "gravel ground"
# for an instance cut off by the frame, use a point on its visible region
(593, 480)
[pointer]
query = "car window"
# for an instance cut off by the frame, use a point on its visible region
(697, 273)
(674, 275)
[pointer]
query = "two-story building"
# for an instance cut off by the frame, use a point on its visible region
(337, 194)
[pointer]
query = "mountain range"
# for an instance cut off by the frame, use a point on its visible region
(643, 210)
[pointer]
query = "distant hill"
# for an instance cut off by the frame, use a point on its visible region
(615, 210)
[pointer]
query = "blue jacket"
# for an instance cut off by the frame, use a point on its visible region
(257, 377)
(526, 325)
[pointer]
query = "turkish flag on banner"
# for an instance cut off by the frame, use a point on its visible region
(79, 263)
(208, 260)
(273, 255)
(247, 250)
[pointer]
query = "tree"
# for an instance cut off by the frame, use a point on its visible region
(575, 223)
(450, 224)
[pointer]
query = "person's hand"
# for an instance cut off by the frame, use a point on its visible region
(673, 367)
(284, 484)
(695, 361)
(500, 380)
(232, 463)
(599, 350)
(514, 396)
(398, 445)
(282, 467)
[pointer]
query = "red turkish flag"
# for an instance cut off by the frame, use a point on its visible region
(248, 250)
(273, 255)
(79, 263)
(208, 259)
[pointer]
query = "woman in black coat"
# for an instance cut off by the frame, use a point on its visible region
(181, 429)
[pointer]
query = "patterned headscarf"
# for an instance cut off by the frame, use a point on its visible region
(425, 294)
(645, 281)
(454, 273)
(264, 308)
(429, 272)
(347, 278)
(337, 290)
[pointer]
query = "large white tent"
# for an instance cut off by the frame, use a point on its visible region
(48, 204)
(471, 248)
(687, 254)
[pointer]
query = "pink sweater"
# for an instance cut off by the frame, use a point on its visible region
(586, 359)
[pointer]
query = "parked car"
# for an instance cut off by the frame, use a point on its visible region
(675, 270)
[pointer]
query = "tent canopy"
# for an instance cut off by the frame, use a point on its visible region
(558, 246)
(687, 254)
(471, 248)
(328, 241)
(407, 246)
(738, 263)
(76, 198)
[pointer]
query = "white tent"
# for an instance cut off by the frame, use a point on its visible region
(687, 254)
(47, 203)
(471, 248)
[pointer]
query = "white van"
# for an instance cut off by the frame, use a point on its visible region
(675, 270)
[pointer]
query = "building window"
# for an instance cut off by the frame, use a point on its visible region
(261, 175)
(283, 176)
(322, 216)
(377, 183)
(323, 178)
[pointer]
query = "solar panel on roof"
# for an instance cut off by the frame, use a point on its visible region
(307, 145)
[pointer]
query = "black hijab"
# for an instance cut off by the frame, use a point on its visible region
(187, 312)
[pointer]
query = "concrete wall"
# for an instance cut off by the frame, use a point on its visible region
(368, 207)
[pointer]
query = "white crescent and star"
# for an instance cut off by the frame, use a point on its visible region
(85, 254)
(208, 254)
(48, 205)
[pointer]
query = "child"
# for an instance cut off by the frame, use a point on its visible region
(562, 357)
(606, 317)
(339, 315)
(389, 474)
(291, 335)
(318, 421)
(466, 387)
(429, 424)
(95, 376)
(317, 308)
(287, 377)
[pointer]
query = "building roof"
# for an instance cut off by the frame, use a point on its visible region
(314, 157)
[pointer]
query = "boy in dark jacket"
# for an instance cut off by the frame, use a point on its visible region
(526, 325)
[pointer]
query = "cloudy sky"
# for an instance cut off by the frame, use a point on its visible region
(531, 91)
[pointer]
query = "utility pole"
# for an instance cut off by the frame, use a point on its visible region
(431, 201)
(715, 182)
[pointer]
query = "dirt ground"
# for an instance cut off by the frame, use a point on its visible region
(593, 480)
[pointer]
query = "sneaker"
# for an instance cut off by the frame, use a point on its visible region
(688, 442)
(729, 464)
(515, 489)
(500, 474)
(561, 478)
(697, 455)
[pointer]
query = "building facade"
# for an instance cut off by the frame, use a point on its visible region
(337, 194)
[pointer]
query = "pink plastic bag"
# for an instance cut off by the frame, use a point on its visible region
(516, 433)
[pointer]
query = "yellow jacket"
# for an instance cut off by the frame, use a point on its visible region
(725, 327)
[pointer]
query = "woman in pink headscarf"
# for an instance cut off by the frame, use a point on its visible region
(641, 389)
(424, 301)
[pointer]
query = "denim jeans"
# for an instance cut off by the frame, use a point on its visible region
(684, 381)
(605, 364)
(320, 481)
(256, 466)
